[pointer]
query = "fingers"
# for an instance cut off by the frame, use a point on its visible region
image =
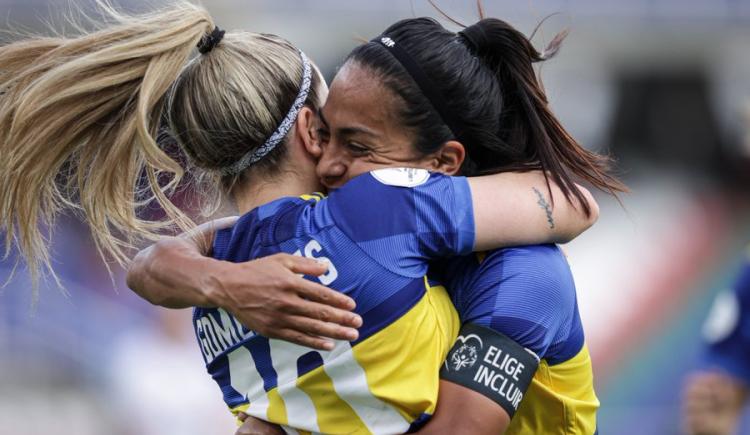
(303, 330)
(303, 339)
(281, 304)
(313, 333)
(324, 295)
(320, 312)
(322, 328)
(306, 266)
(314, 291)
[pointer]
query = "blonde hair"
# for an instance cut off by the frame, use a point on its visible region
(79, 119)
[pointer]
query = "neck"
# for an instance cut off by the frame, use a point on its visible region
(254, 193)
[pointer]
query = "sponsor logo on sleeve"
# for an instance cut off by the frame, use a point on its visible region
(401, 177)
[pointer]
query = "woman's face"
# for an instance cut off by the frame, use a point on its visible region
(360, 130)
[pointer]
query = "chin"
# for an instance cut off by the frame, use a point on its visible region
(331, 185)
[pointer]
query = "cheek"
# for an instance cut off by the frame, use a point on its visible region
(359, 166)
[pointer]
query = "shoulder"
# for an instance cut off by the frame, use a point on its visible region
(389, 201)
(526, 293)
(391, 180)
(542, 268)
(263, 226)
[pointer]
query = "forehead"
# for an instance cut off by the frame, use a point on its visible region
(358, 96)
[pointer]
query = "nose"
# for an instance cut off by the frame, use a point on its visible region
(331, 169)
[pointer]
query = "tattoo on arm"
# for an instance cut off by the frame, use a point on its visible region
(545, 206)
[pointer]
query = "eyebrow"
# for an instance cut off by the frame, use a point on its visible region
(347, 131)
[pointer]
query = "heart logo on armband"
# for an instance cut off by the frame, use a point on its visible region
(465, 356)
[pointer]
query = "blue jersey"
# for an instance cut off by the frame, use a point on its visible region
(727, 330)
(377, 234)
(528, 294)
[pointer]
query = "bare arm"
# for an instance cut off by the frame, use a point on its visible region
(266, 295)
(461, 410)
(255, 426)
(514, 208)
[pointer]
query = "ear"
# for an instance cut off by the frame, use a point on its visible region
(449, 158)
(307, 130)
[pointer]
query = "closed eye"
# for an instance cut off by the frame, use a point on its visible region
(357, 149)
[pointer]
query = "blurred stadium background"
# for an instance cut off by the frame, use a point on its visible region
(662, 84)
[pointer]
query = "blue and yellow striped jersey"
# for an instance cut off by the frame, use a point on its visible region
(377, 236)
(528, 294)
(727, 329)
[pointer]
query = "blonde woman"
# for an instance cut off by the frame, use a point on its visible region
(79, 119)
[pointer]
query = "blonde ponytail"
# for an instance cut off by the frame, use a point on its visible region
(78, 118)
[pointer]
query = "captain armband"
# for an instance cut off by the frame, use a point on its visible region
(491, 364)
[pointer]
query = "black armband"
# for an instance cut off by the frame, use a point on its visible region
(491, 364)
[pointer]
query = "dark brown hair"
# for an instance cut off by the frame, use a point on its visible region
(486, 77)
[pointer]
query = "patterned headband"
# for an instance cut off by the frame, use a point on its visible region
(281, 131)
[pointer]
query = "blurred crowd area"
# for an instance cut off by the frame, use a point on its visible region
(662, 85)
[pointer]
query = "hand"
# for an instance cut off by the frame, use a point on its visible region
(254, 426)
(712, 403)
(268, 296)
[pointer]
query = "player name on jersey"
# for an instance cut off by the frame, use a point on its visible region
(218, 331)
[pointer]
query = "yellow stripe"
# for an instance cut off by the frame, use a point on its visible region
(399, 364)
(334, 414)
(560, 400)
(402, 361)
(238, 409)
(276, 408)
(317, 196)
(309, 197)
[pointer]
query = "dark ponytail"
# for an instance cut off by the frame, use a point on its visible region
(486, 77)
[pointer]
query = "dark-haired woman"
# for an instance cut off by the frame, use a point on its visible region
(420, 95)
(469, 103)
(243, 111)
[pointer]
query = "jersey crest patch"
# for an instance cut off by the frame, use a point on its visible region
(401, 177)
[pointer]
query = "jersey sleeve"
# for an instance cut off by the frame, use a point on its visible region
(527, 294)
(727, 329)
(403, 217)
